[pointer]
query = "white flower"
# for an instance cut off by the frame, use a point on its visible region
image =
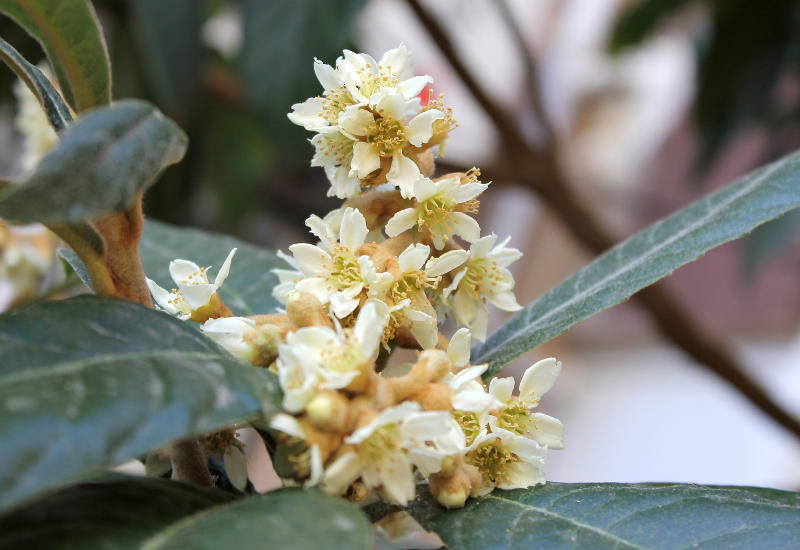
(193, 292)
(287, 278)
(506, 461)
(316, 358)
(516, 417)
(484, 276)
(410, 283)
(441, 207)
(386, 449)
(229, 333)
(336, 273)
(289, 425)
(353, 150)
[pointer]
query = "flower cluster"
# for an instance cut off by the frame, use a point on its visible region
(401, 254)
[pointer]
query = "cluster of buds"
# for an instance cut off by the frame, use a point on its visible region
(400, 255)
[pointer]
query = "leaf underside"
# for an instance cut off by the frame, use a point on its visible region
(70, 35)
(100, 166)
(561, 516)
(90, 382)
(645, 258)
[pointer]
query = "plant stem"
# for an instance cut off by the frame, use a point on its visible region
(189, 463)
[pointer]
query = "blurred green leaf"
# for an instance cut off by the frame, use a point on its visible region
(248, 288)
(168, 39)
(53, 104)
(639, 20)
(118, 514)
(100, 165)
(90, 382)
(645, 258)
(71, 37)
(287, 519)
(281, 40)
(767, 240)
(562, 516)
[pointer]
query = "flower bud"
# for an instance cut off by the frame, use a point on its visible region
(451, 491)
(328, 411)
(304, 310)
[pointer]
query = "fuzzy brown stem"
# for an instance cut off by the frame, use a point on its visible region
(189, 463)
(539, 170)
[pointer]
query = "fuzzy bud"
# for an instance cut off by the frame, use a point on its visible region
(264, 340)
(328, 411)
(304, 310)
(451, 491)
(214, 309)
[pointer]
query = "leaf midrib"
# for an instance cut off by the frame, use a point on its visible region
(642, 259)
(574, 522)
(77, 365)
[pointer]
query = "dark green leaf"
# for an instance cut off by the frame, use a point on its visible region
(639, 20)
(168, 37)
(276, 76)
(647, 257)
(769, 239)
(90, 382)
(100, 165)
(288, 519)
(561, 516)
(112, 515)
(54, 107)
(248, 288)
(71, 36)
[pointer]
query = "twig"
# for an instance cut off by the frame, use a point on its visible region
(540, 171)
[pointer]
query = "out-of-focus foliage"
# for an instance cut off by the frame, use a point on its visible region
(232, 102)
(749, 55)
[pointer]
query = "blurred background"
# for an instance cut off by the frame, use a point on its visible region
(634, 107)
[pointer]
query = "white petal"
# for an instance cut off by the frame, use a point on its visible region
(414, 85)
(236, 467)
(402, 221)
(369, 327)
(413, 107)
(502, 388)
(480, 324)
(466, 227)
(425, 426)
(462, 379)
(412, 258)
(403, 173)
(426, 459)
(547, 431)
(322, 230)
(317, 468)
(503, 300)
(327, 76)
(342, 305)
(354, 120)
(388, 103)
(225, 269)
(475, 401)
(317, 286)
(339, 475)
(312, 260)
(162, 297)
(397, 480)
(522, 475)
(481, 247)
(424, 188)
(238, 325)
(446, 263)
(157, 464)
(458, 350)
(454, 285)
(181, 270)
(287, 424)
(398, 61)
(366, 159)
(464, 193)
(464, 307)
(197, 295)
(420, 128)
(308, 114)
(353, 230)
(538, 379)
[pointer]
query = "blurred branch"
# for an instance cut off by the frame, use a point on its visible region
(531, 70)
(539, 170)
